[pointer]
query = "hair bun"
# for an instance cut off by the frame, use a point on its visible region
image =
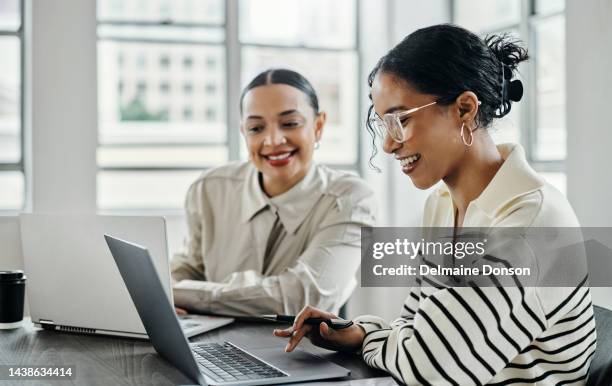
(515, 90)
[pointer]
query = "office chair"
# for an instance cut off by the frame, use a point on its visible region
(600, 373)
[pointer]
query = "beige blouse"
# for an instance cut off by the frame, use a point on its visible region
(249, 254)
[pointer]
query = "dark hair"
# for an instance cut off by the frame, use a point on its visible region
(446, 60)
(283, 76)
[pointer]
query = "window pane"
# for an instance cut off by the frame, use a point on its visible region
(10, 15)
(144, 190)
(12, 192)
(314, 23)
(162, 156)
(550, 88)
(146, 90)
(485, 15)
(10, 100)
(334, 77)
(183, 11)
(549, 6)
(162, 34)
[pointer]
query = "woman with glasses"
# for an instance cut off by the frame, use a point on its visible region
(279, 231)
(434, 96)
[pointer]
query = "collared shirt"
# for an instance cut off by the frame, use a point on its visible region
(311, 233)
(515, 186)
(491, 335)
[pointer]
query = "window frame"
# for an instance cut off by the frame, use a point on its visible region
(19, 166)
(529, 131)
(233, 48)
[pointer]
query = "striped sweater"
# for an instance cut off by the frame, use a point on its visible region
(490, 335)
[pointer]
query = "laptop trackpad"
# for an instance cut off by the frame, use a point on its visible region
(299, 363)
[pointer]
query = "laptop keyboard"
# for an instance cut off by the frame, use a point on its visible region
(225, 362)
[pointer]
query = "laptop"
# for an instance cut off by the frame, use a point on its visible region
(73, 284)
(207, 363)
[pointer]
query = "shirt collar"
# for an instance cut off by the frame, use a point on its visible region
(292, 206)
(513, 179)
(253, 198)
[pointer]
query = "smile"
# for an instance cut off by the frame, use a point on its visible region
(410, 159)
(280, 159)
(409, 163)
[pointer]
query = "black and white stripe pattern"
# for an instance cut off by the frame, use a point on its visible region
(487, 335)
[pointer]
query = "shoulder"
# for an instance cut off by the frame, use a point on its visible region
(234, 172)
(222, 180)
(352, 198)
(544, 207)
(237, 170)
(341, 183)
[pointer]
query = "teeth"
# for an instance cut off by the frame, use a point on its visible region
(408, 160)
(279, 156)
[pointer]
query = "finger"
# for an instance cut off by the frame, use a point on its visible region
(283, 333)
(310, 312)
(301, 317)
(296, 338)
(325, 331)
(180, 311)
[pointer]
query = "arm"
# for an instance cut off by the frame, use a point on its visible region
(458, 336)
(319, 277)
(189, 265)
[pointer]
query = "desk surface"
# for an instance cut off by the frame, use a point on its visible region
(102, 360)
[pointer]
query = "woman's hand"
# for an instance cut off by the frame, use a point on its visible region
(180, 311)
(348, 339)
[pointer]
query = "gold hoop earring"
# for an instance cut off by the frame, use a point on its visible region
(466, 143)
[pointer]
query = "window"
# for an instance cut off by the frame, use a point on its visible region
(538, 121)
(188, 62)
(151, 144)
(169, 121)
(12, 180)
(318, 39)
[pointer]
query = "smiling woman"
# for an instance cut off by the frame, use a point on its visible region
(281, 125)
(280, 231)
(435, 95)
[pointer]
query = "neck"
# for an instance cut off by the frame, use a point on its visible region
(276, 186)
(475, 171)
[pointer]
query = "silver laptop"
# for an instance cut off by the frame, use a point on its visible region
(207, 363)
(73, 284)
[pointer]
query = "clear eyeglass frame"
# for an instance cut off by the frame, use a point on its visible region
(391, 124)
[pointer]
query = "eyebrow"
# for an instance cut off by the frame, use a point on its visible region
(288, 112)
(281, 114)
(396, 108)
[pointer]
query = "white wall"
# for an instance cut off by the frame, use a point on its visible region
(62, 65)
(589, 127)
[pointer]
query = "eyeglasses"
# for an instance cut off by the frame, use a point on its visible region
(391, 123)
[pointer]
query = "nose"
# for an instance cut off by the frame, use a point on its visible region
(389, 145)
(275, 137)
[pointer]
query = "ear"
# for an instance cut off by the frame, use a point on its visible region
(467, 106)
(319, 125)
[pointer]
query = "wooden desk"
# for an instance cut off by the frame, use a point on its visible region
(104, 361)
